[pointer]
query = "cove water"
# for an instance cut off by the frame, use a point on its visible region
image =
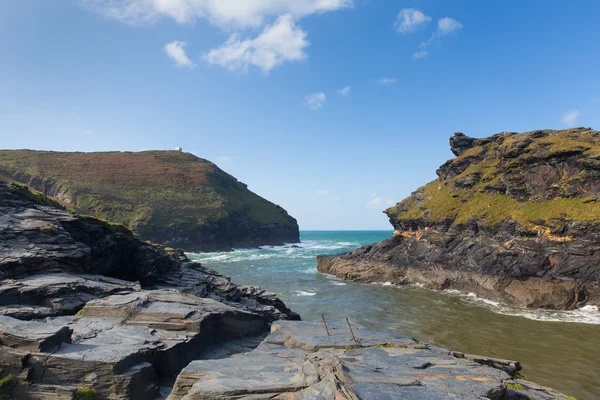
(557, 348)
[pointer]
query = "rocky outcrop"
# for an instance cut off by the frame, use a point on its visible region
(86, 307)
(513, 218)
(87, 311)
(298, 360)
(168, 197)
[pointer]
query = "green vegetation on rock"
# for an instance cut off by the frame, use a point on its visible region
(6, 382)
(538, 179)
(159, 195)
(85, 393)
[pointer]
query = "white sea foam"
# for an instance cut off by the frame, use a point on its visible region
(339, 283)
(304, 293)
(585, 315)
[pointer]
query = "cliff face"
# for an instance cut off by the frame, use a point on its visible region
(86, 307)
(514, 217)
(168, 197)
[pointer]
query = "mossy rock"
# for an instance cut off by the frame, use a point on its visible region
(86, 393)
(535, 178)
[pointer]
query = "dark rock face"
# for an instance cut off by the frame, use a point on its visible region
(238, 231)
(299, 361)
(513, 218)
(89, 311)
(86, 305)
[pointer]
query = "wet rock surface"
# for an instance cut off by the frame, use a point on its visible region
(299, 361)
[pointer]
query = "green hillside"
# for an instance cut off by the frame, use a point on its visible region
(168, 196)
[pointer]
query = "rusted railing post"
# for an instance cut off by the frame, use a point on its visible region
(351, 331)
(325, 325)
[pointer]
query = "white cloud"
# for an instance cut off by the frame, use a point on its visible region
(322, 192)
(386, 81)
(176, 51)
(570, 117)
(409, 20)
(282, 41)
(87, 132)
(420, 54)
(226, 158)
(336, 198)
(315, 100)
(447, 26)
(345, 91)
(224, 13)
(377, 202)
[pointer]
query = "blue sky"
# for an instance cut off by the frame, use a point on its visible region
(333, 109)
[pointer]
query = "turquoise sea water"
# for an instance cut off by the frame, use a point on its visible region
(558, 349)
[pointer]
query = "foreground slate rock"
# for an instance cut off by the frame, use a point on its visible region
(87, 309)
(513, 218)
(299, 361)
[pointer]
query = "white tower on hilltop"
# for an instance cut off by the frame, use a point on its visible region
(179, 149)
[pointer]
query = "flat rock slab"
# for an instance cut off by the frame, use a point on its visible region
(32, 335)
(122, 344)
(298, 360)
(56, 293)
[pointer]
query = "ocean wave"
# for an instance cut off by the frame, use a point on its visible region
(304, 293)
(585, 315)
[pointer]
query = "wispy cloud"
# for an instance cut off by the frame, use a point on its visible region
(87, 132)
(570, 117)
(280, 42)
(228, 14)
(420, 54)
(446, 26)
(386, 81)
(345, 91)
(377, 202)
(281, 39)
(176, 51)
(409, 20)
(316, 100)
(322, 192)
(226, 158)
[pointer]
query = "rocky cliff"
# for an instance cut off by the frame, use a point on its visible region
(514, 217)
(85, 306)
(168, 197)
(89, 312)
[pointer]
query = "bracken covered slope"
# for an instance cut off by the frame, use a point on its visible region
(169, 197)
(514, 217)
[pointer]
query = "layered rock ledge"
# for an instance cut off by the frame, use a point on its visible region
(87, 309)
(513, 218)
(89, 312)
(298, 360)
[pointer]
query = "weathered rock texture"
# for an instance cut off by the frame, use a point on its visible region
(169, 197)
(299, 361)
(87, 307)
(514, 217)
(87, 311)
